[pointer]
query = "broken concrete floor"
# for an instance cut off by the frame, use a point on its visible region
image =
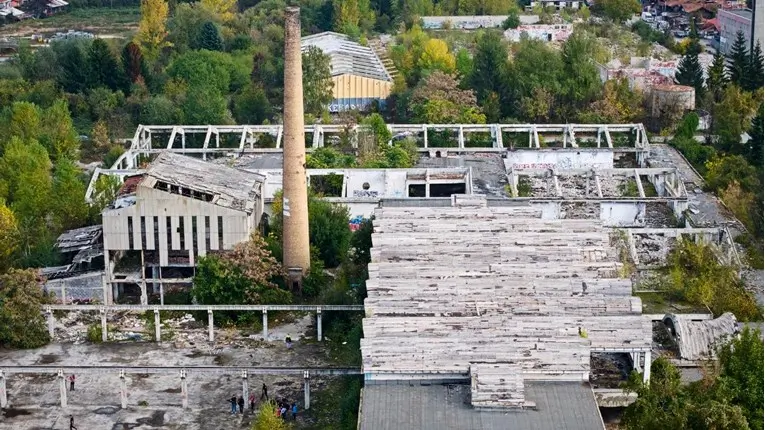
(154, 401)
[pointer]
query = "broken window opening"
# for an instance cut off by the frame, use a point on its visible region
(446, 190)
(416, 190)
(169, 230)
(220, 233)
(207, 232)
(130, 232)
(330, 185)
(143, 232)
(181, 234)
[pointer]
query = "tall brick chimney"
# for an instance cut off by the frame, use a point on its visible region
(297, 256)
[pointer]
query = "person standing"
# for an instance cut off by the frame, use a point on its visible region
(264, 392)
(71, 382)
(240, 402)
(71, 423)
(252, 401)
(288, 341)
(294, 412)
(284, 413)
(232, 400)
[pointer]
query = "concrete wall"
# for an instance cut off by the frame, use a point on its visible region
(543, 32)
(471, 22)
(560, 159)
(731, 22)
(152, 203)
(757, 28)
(622, 214)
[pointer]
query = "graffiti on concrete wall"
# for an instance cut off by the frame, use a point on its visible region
(520, 166)
(355, 222)
(365, 193)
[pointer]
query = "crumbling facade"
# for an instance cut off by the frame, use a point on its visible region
(179, 209)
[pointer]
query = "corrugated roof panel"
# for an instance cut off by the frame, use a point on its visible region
(348, 57)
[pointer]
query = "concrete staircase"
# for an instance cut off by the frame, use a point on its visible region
(381, 50)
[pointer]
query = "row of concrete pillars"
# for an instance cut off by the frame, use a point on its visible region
(157, 328)
(63, 390)
(644, 367)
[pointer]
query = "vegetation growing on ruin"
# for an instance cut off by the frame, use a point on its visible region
(696, 276)
(730, 396)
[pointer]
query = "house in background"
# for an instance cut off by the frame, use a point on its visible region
(360, 79)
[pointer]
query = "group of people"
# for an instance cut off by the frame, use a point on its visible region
(283, 408)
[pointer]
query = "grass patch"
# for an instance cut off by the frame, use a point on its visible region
(99, 20)
(337, 405)
(662, 303)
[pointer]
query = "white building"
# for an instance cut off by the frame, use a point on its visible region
(166, 217)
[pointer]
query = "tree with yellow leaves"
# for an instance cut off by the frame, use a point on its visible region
(436, 56)
(152, 28)
(9, 236)
(223, 8)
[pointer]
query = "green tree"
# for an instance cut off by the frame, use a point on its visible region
(489, 66)
(205, 106)
(104, 192)
(25, 183)
(512, 21)
(741, 372)
(57, 132)
(73, 77)
(225, 9)
(69, 208)
(463, 63)
(317, 81)
(738, 61)
(329, 158)
(734, 116)
(23, 121)
(689, 71)
(717, 79)
(754, 79)
(353, 17)
(209, 37)
(659, 405)
(617, 10)
(250, 105)
(328, 230)
(243, 275)
(21, 323)
(159, 110)
(103, 67)
(438, 100)
(581, 80)
(755, 153)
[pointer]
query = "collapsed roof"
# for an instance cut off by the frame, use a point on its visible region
(346, 56)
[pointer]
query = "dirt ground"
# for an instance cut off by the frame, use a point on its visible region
(154, 401)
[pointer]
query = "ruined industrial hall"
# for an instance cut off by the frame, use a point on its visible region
(497, 272)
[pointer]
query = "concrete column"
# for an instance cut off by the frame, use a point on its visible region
(461, 138)
(265, 325)
(51, 322)
(104, 327)
(3, 391)
(318, 324)
(123, 390)
(63, 293)
(210, 328)
(157, 334)
(295, 235)
(245, 387)
(184, 391)
(647, 368)
(62, 388)
(425, 135)
(144, 296)
(307, 390)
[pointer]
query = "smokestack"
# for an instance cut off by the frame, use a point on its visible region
(297, 256)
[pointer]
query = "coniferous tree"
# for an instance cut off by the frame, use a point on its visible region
(209, 37)
(689, 71)
(755, 76)
(738, 61)
(755, 153)
(103, 68)
(717, 79)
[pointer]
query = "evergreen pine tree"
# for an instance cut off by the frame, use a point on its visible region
(716, 77)
(738, 61)
(755, 153)
(754, 78)
(209, 37)
(689, 71)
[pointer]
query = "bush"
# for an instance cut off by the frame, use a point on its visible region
(95, 333)
(21, 323)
